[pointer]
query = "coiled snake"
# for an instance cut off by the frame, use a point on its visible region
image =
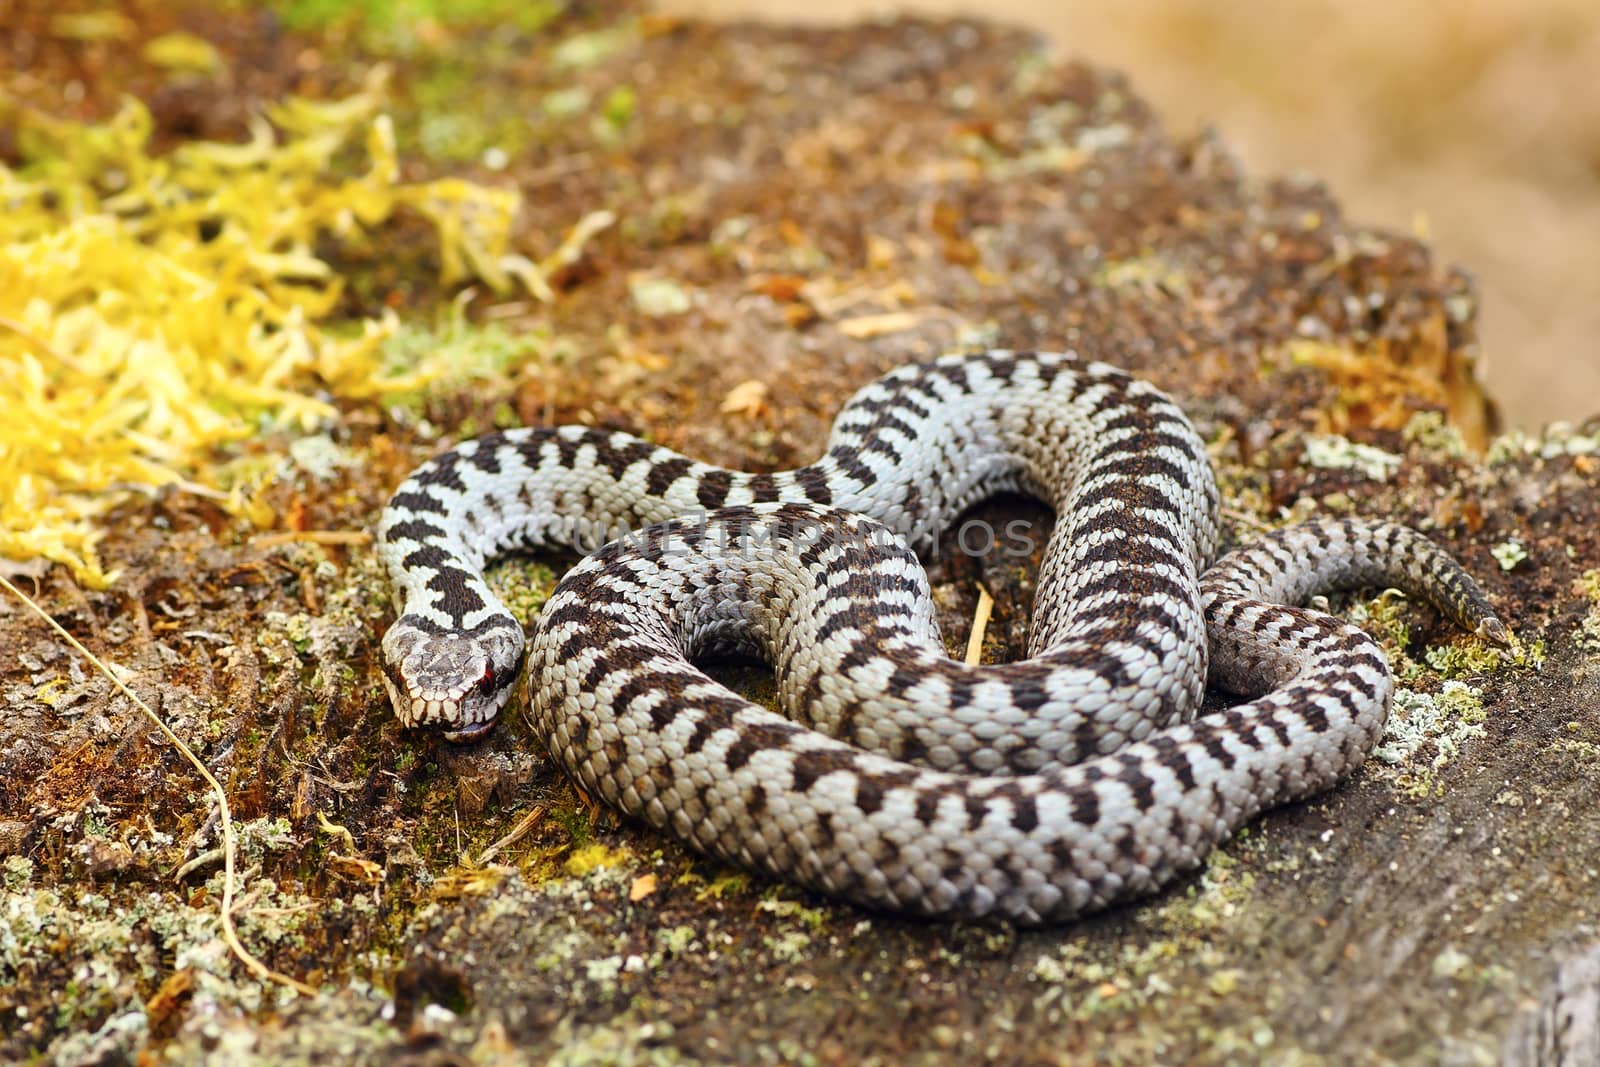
(899, 778)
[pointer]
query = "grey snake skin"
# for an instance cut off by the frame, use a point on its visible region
(898, 778)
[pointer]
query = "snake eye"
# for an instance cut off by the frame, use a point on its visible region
(486, 681)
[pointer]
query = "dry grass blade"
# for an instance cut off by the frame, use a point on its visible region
(312, 537)
(518, 832)
(980, 626)
(229, 846)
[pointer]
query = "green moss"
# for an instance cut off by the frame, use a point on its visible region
(1430, 430)
(813, 918)
(593, 856)
(727, 880)
(1148, 273)
(456, 116)
(616, 115)
(591, 47)
(523, 584)
(526, 15)
(471, 356)
(1384, 618)
(1588, 587)
(1471, 655)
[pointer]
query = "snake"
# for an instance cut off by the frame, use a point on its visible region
(892, 776)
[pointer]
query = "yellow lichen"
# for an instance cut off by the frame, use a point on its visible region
(155, 308)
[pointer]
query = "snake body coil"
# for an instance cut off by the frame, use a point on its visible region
(901, 779)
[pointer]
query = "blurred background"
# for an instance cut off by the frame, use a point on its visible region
(1473, 123)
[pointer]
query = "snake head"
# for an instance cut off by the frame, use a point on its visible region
(456, 683)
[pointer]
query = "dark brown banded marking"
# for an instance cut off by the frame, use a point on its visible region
(847, 464)
(486, 456)
(1024, 813)
(417, 529)
(814, 484)
(755, 801)
(811, 765)
(636, 685)
(415, 503)
(882, 446)
(616, 459)
(714, 487)
(977, 808)
(703, 731)
(763, 489)
(1130, 589)
(1085, 807)
(566, 449)
(440, 472)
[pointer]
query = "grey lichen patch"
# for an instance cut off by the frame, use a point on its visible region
(1184, 980)
(632, 1038)
(1180, 968)
(320, 456)
(568, 945)
(1585, 749)
(125, 945)
(1333, 452)
(1509, 553)
(1439, 722)
(334, 636)
(1556, 440)
(657, 297)
(1151, 274)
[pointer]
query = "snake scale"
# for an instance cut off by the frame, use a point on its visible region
(898, 778)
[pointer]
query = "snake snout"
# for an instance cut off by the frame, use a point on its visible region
(450, 683)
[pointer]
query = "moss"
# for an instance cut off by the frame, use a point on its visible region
(453, 356)
(458, 114)
(726, 881)
(200, 339)
(523, 584)
(1430, 430)
(1149, 273)
(377, 16)
(592, 857)
(1471, 655)
(1588, 587)
(1384, 617)
(813, 918)
(1556, 440)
